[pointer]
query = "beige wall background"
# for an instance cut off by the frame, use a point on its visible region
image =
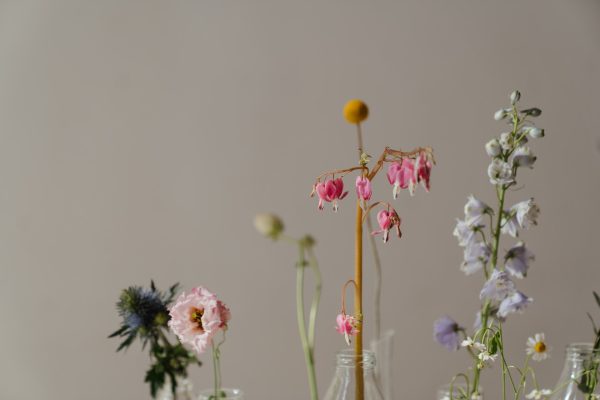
(139, 138)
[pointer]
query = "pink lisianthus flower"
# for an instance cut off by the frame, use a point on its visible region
(363, 188)
(346, 325)
(330, 191)
(197, 316)
(423, 167)
(388, 220)
(402, 176)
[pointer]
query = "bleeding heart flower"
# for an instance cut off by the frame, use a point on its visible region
(402, 176)
(363, 188)
(423, 170)
(330, 191)
(387, 221)
(346, 325)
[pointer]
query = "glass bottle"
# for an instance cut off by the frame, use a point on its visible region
(581, 362)
(226, 394)
(459, 392)
(344, 382)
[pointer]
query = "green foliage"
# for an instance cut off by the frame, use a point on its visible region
(145, 316)
(589, 380)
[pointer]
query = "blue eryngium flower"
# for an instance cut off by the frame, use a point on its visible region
(140, 308)
(498, 287)
(446, 332)
(514, 303)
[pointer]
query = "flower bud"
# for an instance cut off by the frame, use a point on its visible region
(500, 114)
(536, 133)
(268, 225)
(493, 148)
(514, 97)
(534, 112)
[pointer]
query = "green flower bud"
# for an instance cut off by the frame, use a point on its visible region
(514, 97)
(268, 225)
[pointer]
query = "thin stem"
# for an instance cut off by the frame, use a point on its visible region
(358, 311)
(315, 300)
(216, 372)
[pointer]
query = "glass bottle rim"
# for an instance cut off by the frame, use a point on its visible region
(580, 350)
(347, 358)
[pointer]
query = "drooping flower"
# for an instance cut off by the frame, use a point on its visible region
(527, 213)
(501, 114)
(516, 302)
(196, 317)
(346, 325)
(387, 220)
(537, 347)
(498, 287)
(363, 188)
(446, 332)
(493, 148)
(506, 141)
(465, 232)
(423, 167)
(516, 260)
(330, 191)
(477, 325)
(509, 223)
(402, 175)
(539, 394)
(475, 210)
(523, 157)
(500, 172)
(476, 256)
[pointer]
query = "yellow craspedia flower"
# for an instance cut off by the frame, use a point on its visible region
(356, 111)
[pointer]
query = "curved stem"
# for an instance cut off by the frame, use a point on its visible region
(314, 307)
(358, 311)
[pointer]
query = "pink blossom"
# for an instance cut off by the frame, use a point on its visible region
(402, 176)
(346, 325)
(363, 188)
(330, 191)
(196, 317)
(387, 221)
(423, 170)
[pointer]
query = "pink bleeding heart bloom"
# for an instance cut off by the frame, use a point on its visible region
(363, 188)
(388, 220)
(346, 325)
(330, 191)
(196, 318)
(423, 170)
(402, 176)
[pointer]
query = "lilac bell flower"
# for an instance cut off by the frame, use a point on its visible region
(465, 232)
(476, 256)
(514, 303)
(500, 172)
(498, 287)
(475, 210)
(517, 260)
(527, 213)
(445, 332)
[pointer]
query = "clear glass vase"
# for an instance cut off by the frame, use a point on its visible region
(457, 391)
(343, 386)
(184, 391)
(580, 363)
(384, 353)
(226, 394)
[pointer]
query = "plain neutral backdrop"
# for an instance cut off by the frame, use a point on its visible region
(139, 138)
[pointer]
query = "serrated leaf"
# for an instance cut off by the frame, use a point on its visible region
(127, 342)
(593, 323)
(597, 298)
(119, 331)
(152, 285)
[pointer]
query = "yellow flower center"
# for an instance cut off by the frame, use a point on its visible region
(540, 347)
(196, 317)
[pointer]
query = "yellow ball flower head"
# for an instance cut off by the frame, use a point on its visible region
(356, 111)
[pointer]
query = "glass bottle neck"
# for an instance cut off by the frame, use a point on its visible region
(348, 359)
(579, 352)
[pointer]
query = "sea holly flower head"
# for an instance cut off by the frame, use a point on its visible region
(423, 167)
(347, 326)
(465, 232)
(330, 191)
(363, 188)
(498, 287)
(536, 394)
(500, 172)
(402, 175)
(517, 260)
(197, 316)
(517, 302)
(476, 257)
(475, 210)
(388, 220)
(537, 347)
(523, 157)
(446, 332)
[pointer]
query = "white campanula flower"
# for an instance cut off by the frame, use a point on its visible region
(536, 133)
(517, 260)
(500, 172)
(475, 210)
(506, 141)
(509, 224)
(537, 347)
(514, 97)
(498, 287)
(469, 342)
(476, 257)
(465, 232)
(493, 148)
(501, 114)
(527, 213)
(485, 356)
(517, 302)
(539, 394)
(523, 157)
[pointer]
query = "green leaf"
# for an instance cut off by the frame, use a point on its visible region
(119, 331)
(127, 342)
(152, 285)
(597, 298)
(593, 323)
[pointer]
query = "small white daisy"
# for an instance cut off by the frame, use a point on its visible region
(537, 347)
(539, 394)
(486, 356)
(468, 342)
